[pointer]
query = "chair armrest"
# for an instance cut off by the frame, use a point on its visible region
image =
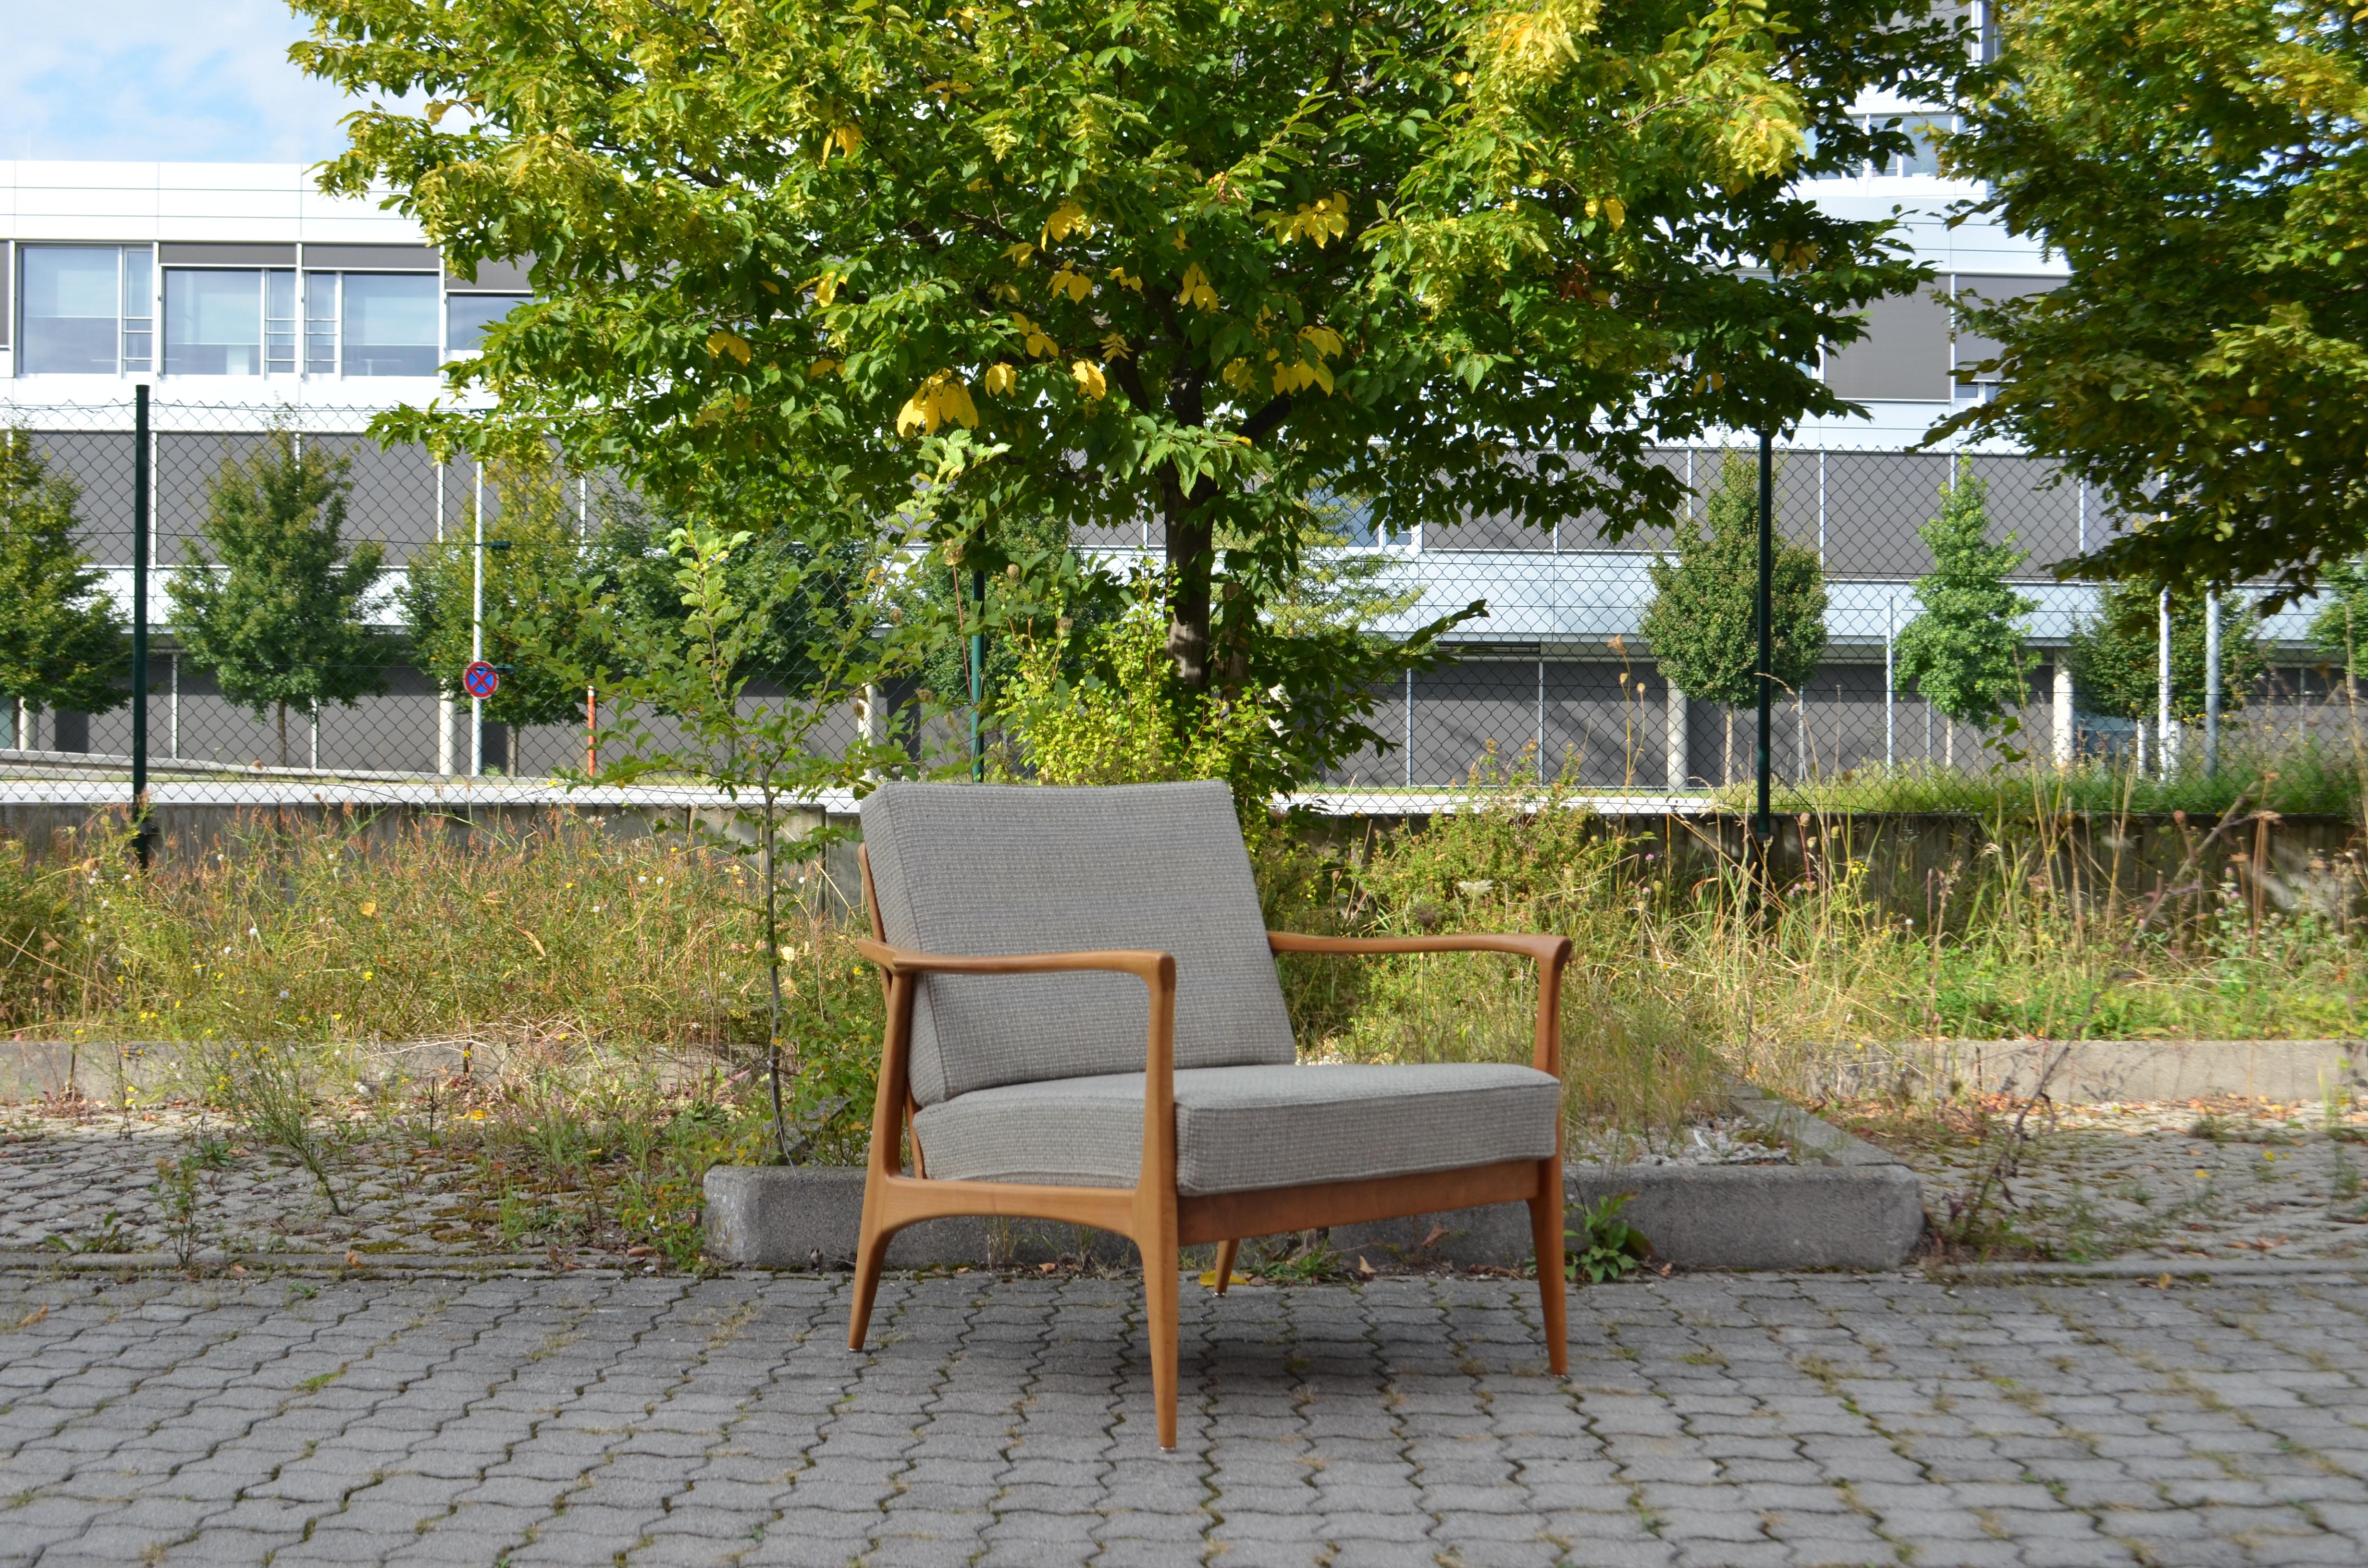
(1158, 972)
(1153, 969)
(1551, 954)
(1545, 950)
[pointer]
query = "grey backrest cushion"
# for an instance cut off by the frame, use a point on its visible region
(988, 869)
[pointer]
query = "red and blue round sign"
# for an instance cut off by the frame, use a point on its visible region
(481, 679)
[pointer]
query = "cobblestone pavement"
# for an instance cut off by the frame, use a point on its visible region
(1720, 1420)
(2223, 1178)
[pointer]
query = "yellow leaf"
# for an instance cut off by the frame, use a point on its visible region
(1077, 285)
(846, 138)
(1126, 280)
(1615, 210)
(820, 369)
(1114, 346)
(1067, 219)
(719, 343)
(940, 399)
(1090, 381)
(1196, 291)
(1000, 378)
(1020, 253)
(1238, 375)
(1323, 339)
(825, 288)
(1037, 344)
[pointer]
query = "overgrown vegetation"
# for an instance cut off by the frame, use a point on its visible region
(602, 992)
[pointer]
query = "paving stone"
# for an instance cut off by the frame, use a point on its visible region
(1008, 1422)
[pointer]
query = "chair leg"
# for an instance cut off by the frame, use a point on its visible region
(871, 1252)
(1227, 1251)
(1546, 1234)
(1159, 1292)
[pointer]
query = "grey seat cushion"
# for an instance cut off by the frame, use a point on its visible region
(1243, 1129)
(992, 869)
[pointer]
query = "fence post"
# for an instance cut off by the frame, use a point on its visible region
(1765, 614)
(140, 480)
(978, 677)
(2211, 680)
(2165, 745)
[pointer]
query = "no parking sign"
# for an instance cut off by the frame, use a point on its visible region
(481, 679)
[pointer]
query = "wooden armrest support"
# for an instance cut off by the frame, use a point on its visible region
(1154, 970)
(1551, 953)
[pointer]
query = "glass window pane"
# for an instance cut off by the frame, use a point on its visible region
(139, 307)
(471, 313)
(320, 323)
(70, 318)
(213, 322)
(279, 323)
(390, 326)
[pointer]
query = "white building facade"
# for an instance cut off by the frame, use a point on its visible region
(244, 297)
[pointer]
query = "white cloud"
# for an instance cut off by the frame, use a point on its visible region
(141, 80)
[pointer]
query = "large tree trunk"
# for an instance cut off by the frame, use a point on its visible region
(1190, 561)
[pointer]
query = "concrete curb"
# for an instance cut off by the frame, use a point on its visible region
(2153, 1269)
(1852, 1206)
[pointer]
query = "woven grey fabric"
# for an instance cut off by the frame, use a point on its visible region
(993, 870)
(1243, 1129)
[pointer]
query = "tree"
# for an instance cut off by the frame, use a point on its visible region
(2339, 627)
(1702, 625)
(61, 639)
(1102, 262)
(2199, 163)
(695, 665)
(1963, 653)
(277, 618)
(552, 596)
(2116, 657)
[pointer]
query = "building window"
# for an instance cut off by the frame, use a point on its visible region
(139, 308)
(1923, 156)
(470, 314)
(279, 323)
(75, 321)
(214, 322)
(320, 323)
(389, 324)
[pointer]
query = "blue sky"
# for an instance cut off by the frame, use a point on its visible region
(181, 80)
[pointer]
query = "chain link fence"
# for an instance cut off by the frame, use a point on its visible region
(1559, 678)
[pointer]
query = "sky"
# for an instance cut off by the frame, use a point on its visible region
(148, 80)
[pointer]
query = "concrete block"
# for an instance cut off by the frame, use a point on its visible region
(1857, 1208)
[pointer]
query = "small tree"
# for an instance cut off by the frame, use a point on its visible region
(1963, 654)
(61, 637)
(2339, 629)
(1702, 623)
(277, 618)
(2115, 656)
(695, 665)
(554, 593)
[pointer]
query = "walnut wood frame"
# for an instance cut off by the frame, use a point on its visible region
(1152, 1213)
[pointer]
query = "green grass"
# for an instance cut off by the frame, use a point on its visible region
(2296, 775)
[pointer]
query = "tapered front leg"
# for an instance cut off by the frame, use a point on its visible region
(1159, 1292)
(1546, 1234)
(1227, 1251)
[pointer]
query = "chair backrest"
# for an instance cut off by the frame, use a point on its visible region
(995, 869)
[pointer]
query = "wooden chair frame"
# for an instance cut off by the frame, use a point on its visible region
(1151, 1213)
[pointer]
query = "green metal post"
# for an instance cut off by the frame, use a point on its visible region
(977, 675)
(139, 509)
